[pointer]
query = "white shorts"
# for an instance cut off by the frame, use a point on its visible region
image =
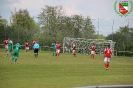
(6, 47)
(57, 51)
(74, 51)
(106, 59)
(92, 52)
(27, 48)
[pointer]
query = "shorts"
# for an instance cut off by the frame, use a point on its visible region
(58, 51)
(10, 49)
(92, 52)
(27, 48)
(16, 53)
(6, 47)
(106, 59)
(74, 51)
(36, 50)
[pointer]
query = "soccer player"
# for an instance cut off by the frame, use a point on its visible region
(93, 48)
(34, 42)
(74, 49)
(107, 56)
(6, 45)
(26, 46)
(36, 49)
(15, 55)
(58, 46)
(54, 49)
(10, 47)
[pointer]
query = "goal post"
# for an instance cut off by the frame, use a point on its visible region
(83, 46)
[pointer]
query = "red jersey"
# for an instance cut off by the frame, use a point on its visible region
(6, 42)
(58, 46)
(34, 42)
(74, 47)
(93, 48)
(26, 44)
(108, 52)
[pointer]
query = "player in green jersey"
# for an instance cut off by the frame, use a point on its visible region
(54, 49)
(15, 55)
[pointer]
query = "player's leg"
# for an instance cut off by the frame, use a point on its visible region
(108, 62)
(58, 52)
(7, 51)
(12, 58)
(93, 54)
(16, 57)
(74, 53)
(105, 62)
(35, 52)
(54, 52)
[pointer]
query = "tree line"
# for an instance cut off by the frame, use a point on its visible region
(53, 25)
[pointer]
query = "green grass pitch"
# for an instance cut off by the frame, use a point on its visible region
(66, 71)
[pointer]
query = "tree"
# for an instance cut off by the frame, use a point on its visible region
(56, 25)
(23, 26)
(3, 29)
(123, 39)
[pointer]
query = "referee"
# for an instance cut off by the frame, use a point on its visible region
(36, 49)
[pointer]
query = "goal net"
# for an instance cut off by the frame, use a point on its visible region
(83, 46)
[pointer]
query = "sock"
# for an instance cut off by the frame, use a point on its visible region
(92, 55)
(12, 58)
(16, 59)
(6, 54)
(107, 65)
(74, 54)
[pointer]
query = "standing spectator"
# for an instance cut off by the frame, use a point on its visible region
(107, 56)
(26, 46)
(36, 49)
(15, 55)
(74, 49)
(54, 49)
(93, 48)
(58, 46)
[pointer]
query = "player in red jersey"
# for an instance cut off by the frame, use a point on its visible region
(58, 46)
(26, 46)
(107, 56)
(93, 48)
(6, 45)
(33, 42)
(74, 49)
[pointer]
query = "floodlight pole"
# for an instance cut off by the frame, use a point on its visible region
(112, 29)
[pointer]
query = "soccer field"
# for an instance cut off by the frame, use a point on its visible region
(66, 71)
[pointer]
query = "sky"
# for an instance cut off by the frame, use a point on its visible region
(102, 13)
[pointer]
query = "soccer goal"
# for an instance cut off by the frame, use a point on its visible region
(83, 46)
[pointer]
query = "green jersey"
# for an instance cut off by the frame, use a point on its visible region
(10, 43)
(17, 46)
(53, 46)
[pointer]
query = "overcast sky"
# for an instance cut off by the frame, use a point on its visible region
(102, 9)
